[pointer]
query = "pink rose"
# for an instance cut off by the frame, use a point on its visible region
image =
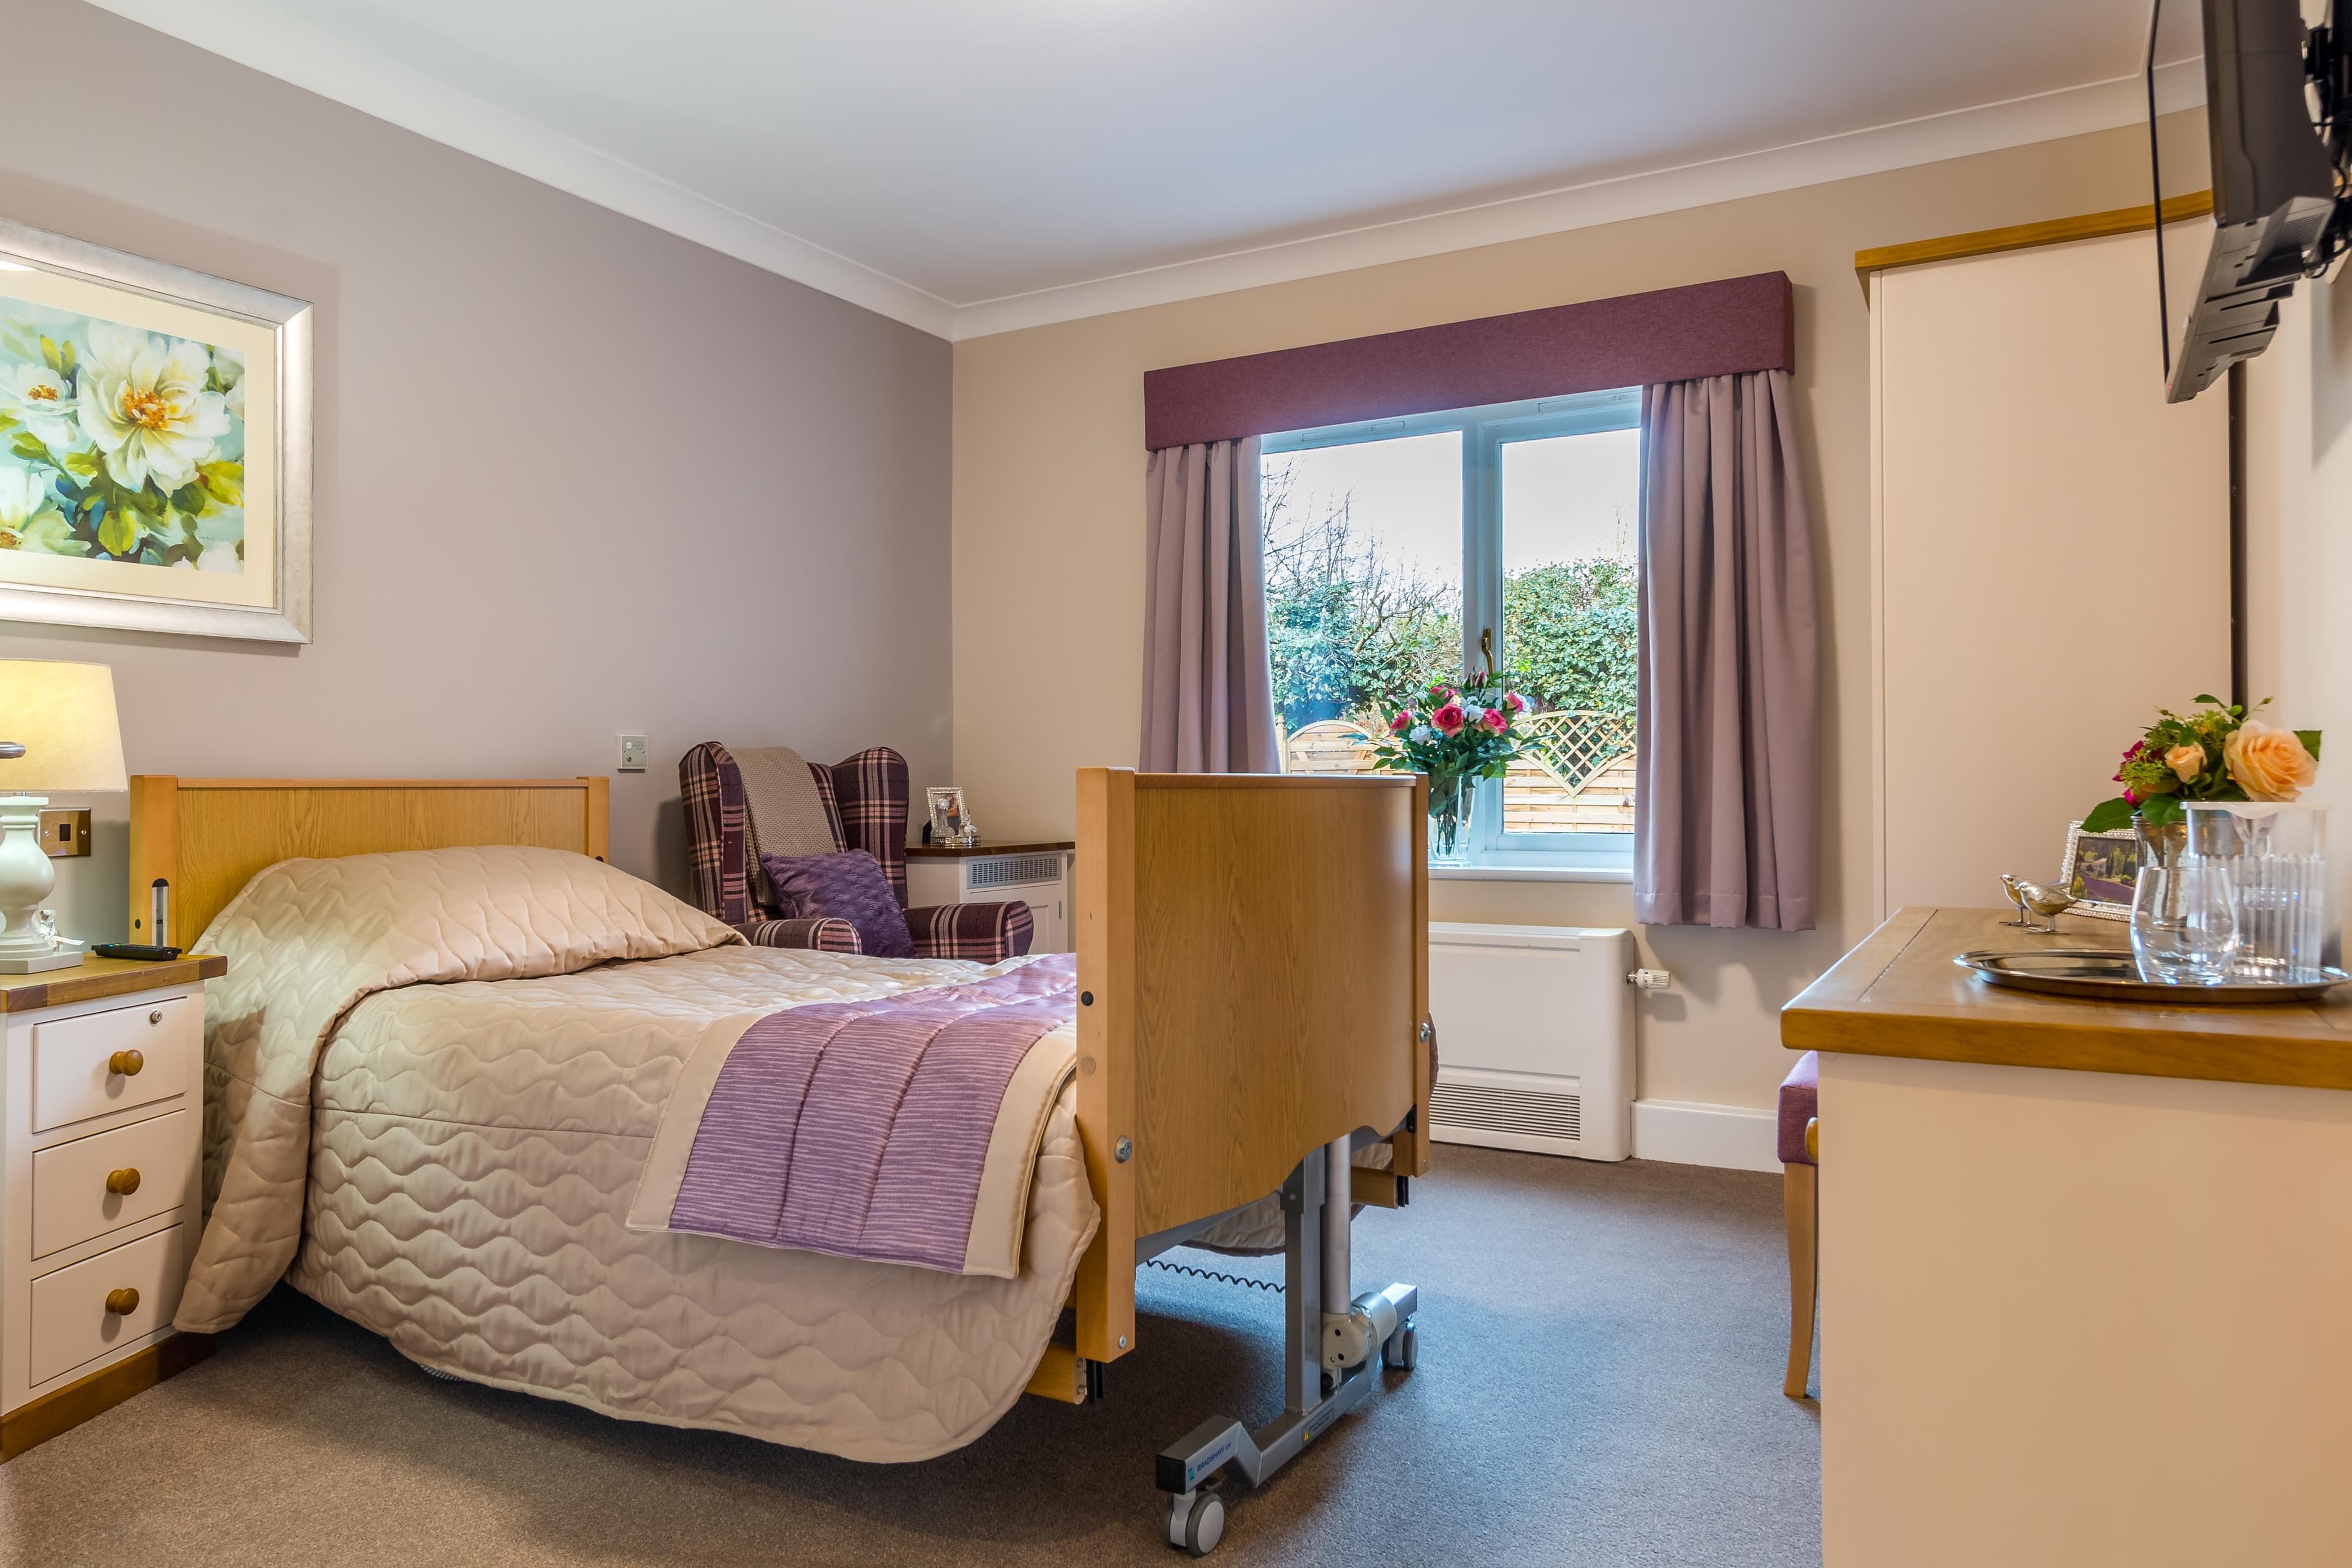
(1495, 720)
(1402, 722)
(1515, 702)
(2186, 762)
(2268, 763)
(1447, 719)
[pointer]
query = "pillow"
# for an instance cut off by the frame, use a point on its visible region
(846, 886)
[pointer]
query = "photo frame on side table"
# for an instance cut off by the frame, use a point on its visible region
(950, 821)
(154, 445)
(2099, 872)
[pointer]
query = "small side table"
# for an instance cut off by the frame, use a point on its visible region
(1037, 874)
(101, 1106)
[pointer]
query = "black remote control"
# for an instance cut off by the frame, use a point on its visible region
(132, 950)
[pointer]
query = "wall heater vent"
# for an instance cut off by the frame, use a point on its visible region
(1015, 869)
(1535, 1038)
(1530, 1112)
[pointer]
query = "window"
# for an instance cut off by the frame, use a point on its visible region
(1393, 547)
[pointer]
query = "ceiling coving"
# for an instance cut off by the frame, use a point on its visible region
(970, 168)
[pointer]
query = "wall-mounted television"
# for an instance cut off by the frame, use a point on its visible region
(2272, 91)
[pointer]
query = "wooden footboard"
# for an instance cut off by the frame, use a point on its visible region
(1254, 976)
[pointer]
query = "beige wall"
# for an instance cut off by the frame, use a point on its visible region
(1049, 526)
(575, 476)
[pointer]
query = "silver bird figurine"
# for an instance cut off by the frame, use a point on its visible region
(2047, 902)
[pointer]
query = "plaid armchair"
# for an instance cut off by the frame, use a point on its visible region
(865, 801)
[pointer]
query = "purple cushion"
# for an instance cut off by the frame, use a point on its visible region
(847, 886)
(1800, 1099)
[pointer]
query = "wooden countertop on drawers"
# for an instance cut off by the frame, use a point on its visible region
(1900, 994)
(101, 977)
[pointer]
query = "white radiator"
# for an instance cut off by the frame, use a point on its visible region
(1535, 1038)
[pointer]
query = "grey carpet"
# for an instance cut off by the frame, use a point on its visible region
(1600, 1384)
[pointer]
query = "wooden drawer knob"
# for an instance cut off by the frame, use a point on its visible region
(127, 1063)
(125, 1181)
(122, 1303)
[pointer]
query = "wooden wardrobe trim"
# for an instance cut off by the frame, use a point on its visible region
(2025, 235)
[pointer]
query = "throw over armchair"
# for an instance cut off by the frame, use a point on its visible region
(866, 806)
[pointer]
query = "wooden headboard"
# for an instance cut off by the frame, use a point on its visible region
(206, 837)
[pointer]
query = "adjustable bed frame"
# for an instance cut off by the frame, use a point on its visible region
(1253, 1008)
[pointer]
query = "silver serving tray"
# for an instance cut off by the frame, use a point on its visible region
(2111, 974)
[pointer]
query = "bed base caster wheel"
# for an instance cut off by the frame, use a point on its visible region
(1403, 1348)
(1196, 1522)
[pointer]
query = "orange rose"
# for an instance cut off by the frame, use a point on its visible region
(2187, 761)
(2268, 763)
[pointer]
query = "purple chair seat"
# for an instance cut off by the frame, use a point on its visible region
(1801, 1094)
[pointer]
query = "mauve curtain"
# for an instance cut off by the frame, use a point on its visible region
(1208, 694)
(1727, 762)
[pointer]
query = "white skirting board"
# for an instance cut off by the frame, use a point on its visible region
(1682, 1132)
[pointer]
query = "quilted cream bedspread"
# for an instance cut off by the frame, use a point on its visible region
(451, 1164)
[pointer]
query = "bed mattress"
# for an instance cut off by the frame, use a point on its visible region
(475, 1148)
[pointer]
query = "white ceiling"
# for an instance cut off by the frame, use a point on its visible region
(970, 167)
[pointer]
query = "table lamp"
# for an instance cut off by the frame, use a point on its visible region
(58, 732)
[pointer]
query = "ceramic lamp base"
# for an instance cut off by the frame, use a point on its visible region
(27, 944)
(68, 955)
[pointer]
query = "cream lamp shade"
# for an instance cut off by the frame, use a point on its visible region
(63, 715)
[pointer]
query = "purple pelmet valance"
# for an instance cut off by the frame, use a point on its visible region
(1726, 327)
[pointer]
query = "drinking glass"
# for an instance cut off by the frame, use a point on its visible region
(2184, 928)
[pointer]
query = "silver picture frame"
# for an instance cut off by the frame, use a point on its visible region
(288, 322)
(950, 818)
(2083, 888)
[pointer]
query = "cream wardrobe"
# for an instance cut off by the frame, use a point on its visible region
(2051, 550)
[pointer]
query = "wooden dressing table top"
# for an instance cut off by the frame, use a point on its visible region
(1900, 994)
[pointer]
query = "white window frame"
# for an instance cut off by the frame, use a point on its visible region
(1485, 432)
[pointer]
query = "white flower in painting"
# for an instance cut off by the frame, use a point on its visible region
(214, 537)
(143, 403)
(30, 520)
(220, 533)
(1420, 735)
(40, 400)
(228, 369)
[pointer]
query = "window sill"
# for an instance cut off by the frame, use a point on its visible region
(1623, 874)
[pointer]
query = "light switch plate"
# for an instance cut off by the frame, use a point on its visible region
(634, 752)
(65, 832)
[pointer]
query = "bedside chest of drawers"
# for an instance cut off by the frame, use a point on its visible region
(1035, 874)
(101, 1108)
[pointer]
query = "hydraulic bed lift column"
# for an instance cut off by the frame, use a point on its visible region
(1329, 1364)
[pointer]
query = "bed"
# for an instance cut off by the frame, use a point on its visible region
(1250, 1020)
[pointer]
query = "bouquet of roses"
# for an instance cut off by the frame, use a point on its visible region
(2219, 752)
(1455, 731)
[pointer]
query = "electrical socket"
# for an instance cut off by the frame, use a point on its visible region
(65, 832)
(634, 752)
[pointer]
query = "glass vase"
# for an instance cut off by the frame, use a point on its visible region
(2276, 856)
(2184, 926)
(1450, 799)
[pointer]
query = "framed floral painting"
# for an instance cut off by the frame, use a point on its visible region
(154, 445)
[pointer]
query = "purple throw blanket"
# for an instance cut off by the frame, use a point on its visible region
(864, 1129)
